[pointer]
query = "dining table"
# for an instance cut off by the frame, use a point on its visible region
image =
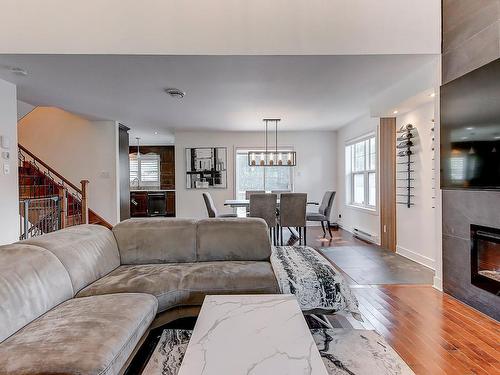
(235, 203)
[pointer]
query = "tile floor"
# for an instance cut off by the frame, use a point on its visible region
(368, 264)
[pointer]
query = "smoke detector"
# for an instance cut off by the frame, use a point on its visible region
(175, 93)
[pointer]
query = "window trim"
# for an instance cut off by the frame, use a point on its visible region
(241, 150)
(349, 174)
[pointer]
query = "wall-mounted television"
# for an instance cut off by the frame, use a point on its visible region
(470, 130)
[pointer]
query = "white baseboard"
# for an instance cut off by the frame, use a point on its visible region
(438, 283)
(423, 260)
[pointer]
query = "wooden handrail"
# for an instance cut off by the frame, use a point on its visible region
(50, 169)
(103, 222)
(85, 202)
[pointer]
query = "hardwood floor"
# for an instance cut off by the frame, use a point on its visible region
(433, 332)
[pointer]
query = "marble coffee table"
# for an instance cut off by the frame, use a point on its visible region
(251, 334)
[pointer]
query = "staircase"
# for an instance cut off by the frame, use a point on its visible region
(48, 201)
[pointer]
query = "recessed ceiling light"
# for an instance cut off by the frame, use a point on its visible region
(395, 112)
(18, 71)
(497, 137)
(465, 138)
(432, 95)
(156, 133)
(469, 128)
(175, 93)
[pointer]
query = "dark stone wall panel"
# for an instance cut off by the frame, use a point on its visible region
(460, 209)
(471, 36)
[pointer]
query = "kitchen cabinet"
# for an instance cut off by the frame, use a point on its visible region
(150, 203)
(139, 204)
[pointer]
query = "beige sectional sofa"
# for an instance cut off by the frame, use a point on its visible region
(80, 300)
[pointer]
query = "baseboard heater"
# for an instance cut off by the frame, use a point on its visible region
(364, 235)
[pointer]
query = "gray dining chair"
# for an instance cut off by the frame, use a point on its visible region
(323, 214)
(211, 209)
(264, 206)
(248, 193)
(292, 214)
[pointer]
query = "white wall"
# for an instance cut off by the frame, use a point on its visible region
(365, 220)
(416, 226)
(314, 173)
(237, 27)
(9, 193)
(79, 150)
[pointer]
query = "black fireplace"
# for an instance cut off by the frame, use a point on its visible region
(485, 258)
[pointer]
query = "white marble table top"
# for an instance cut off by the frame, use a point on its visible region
(251, 334)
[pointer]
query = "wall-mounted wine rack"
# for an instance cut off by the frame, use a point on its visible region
(405, 165)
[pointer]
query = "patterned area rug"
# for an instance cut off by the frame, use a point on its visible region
(318, 286)
(168, 354)
(344, 352)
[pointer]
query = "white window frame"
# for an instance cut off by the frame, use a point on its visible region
(366, 171)
(142, 183)
(245, 150)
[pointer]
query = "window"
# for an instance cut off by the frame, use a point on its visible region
(145, 171)
(361, 172)
(260, 178)
(457, 168)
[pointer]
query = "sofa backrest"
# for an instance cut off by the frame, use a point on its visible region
(170, 240)
(32, 281)
(88, 252)
(232, 239)
(156, 240)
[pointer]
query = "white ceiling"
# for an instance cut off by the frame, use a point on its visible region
(223, 92)
(222, 27)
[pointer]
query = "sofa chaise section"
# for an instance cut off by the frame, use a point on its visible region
(44, 329)
(93, 336)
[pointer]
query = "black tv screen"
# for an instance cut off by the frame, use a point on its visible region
(470, 130)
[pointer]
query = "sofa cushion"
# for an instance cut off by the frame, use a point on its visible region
(233, 239)
(87, 251)
(187, 283)
(32, 281)
(93, 335)
(160, 240)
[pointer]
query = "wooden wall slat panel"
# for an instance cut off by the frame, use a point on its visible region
(387, 187)
(124, 167)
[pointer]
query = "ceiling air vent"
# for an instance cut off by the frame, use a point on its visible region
(175, 93)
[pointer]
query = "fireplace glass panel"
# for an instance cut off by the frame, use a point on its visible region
(485, 258)
(488, 259)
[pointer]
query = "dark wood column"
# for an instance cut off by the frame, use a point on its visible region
(387, 139)
(124, 172)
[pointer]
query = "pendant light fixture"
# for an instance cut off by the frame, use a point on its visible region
(138, 151)
(272, 158)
